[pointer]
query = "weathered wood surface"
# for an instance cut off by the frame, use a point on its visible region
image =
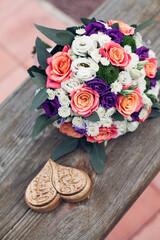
(132, 160)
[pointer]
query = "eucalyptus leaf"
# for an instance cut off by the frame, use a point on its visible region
(97, 157)
(158, 74)
(93, 117)
(72, 29)
(41, 123)
(86, 21)
(57, 48)
(42, 53)
(87, 146)
(156, 105)
(115, 25)
(39, 79)
(154, 113)
(117, 116)
(52, 34)
(35, 69)
(39, 98)
(144, 25)
(66, 37)
(134, 25)
(66, 146)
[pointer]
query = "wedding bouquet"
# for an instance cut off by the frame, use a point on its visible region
(99, 82)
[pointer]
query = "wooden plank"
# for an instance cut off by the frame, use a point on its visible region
(124, 178)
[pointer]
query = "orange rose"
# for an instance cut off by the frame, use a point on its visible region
(84, 101)
(116, 54)
(59, 69)
(67, 129)
(123, 27)
(151, 67)
(104, 134)
(130, 104)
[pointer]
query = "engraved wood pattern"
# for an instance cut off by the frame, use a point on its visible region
(127, 173)
(67, 180)
(41, 190)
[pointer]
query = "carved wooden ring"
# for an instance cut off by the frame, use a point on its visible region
(54, 183)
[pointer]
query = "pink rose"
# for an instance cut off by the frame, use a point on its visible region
(151, 67)
(130, 104)
(84, 101)
(59, 69)
(123, 27)
(104, 134)
(66, 48)
(116, 54)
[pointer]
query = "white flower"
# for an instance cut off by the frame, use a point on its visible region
(107, 122)
(64, 100)
(146, 101)
(121, 125)
(72, 84)
(103, 39)
(77, 121)
(132, 126)
(141, 82)
(124, 78)
(81, 45)
(92, 130)
(116, 87)
(133, 63)
(110, 112)
(151, 54)
(51, 94)
(105, 61)
(135, 73)
(143, 113)
(128, 49)
(80, 31)
(84, 68)
(95, 55)
(138, 39)
(100, 111)
(60, 91)
(129, 119)
(64, 111)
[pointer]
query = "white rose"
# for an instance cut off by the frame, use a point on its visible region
(72, 84)
(103, 39)
(116, 87)
(95, 55)
(132, 126)
(81, 45)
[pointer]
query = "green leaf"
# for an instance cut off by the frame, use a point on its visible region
(66, 37)
(154, 113)
(98, 157)
(35, 69)
(57, 48)
(66, 146)
(87, 146)
(134, 25)
(115, 25)
(144, 25)
(86, 21)
(152, 97)
(39, 98)
(93, 117)
(39, 80)
(72, 29)
(46, 45)
(158, 74)
(117, 116)
(156, 105)
(41, 123)
(52, 34)
(42, 53)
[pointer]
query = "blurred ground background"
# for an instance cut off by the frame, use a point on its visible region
(17, 36)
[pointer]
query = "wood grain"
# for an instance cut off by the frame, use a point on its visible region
(126, 174)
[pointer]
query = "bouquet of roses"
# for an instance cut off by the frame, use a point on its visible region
(99, 82)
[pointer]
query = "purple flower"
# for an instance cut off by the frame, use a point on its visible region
(152, 82)
(114, 34)
(81, 130)
(109, 99)
(61, 120)
(51, 107)
(98, 85)
(134, 116)
(94, 27)
(142, 52)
